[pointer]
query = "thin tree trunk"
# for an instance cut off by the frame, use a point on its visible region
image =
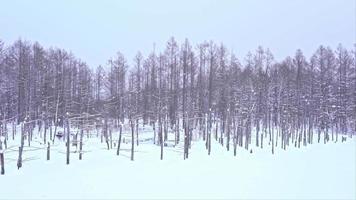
(2, 163)
(154, 132)
(68, 141)
(45, 134)
(119, 142)
(81, 145)
(106, 133)
(50, 132)
(48, 151)
(137, 132)
(228, 132)
(161, 139)
(272, 139)
(257, 132)
(110, 133)
(13, 130)
(19, 160)
(132, 139)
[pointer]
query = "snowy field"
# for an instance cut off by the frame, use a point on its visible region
(318, 171)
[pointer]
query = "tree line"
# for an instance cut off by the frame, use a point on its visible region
(203, 89)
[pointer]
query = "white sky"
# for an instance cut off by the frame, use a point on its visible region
(95, 30)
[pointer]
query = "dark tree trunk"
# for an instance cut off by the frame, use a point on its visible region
(137, 132)
(13, 130)
(209, 144)
(257, 132)
(48, 151)
(119, 142)
(81, 145)
(110, 133)
(50, 132)
(68, 140)
(2, 163)
(106, 128)
(45, 134)
(19, 160)
(154, 132)
(161, 139)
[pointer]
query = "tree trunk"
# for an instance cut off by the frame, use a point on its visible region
(132, 139)
(45, 134)
(137, 132)
(50, 132)
(273, 139)
(209, 144)
(119, 142)
(19, 160)
(257, 132)
(48, 150)
(228, 133)
(110, 133)
(106, 133)
(154, 132)
(68, 141)
(2, 163)
(161, 136)
(81, 144)
(13, 130)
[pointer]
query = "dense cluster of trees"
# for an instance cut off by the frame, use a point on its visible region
(204, 89)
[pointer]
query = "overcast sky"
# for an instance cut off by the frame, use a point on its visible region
(95, 30)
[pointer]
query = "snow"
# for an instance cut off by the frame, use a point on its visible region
(318, 171)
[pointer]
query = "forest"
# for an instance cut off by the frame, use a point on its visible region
(184, 93)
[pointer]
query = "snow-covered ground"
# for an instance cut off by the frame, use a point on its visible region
(318, 171)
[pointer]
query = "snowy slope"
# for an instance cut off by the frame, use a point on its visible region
(318, 171)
